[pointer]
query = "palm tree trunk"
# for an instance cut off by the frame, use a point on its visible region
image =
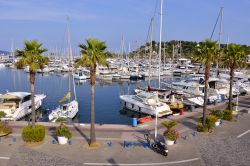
(207, 73)
(231, 87)
(92, 116)
(92, 109)
(32, 88)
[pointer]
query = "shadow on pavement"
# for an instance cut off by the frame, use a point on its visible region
(190, 125)
(113, 162)
(81, 133)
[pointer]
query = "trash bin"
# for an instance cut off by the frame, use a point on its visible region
(134, 122)
(223, 98)
(192, 108)
(181, 111)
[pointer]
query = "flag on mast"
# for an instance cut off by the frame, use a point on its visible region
(66, 97)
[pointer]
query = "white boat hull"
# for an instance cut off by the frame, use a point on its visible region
(161, 109)
(68, 110)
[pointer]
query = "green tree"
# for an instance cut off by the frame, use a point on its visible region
(93, 53)
(31, 55)
(234, 57)
(207, 52)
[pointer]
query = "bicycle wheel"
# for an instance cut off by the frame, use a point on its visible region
(146, 136)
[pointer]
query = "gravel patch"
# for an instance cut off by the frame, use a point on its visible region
(29, 157)
(223, 151)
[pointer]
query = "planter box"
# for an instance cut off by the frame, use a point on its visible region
(217, 123)
(169, 142)
(62, 140)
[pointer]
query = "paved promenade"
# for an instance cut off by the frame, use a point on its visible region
(227, 145)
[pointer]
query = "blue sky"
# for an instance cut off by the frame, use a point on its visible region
(109, 20)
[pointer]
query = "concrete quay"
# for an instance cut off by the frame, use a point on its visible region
(227, 145)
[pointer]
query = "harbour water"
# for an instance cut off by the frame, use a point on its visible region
(107, 102)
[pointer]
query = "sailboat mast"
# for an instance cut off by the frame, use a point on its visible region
(159, 60)
(150, 50)
(128, 54)
(70, 59)
(220, 34)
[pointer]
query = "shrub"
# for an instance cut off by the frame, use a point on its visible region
(217, 113)
(201, 128)
(63, 131)
(210, 123)
(5, 128)
(2, 114)
(227, 115)
(61, 120)
(36, 134)
(171, 134)
(169, 125)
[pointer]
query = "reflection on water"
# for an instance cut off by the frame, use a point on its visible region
(55, 86)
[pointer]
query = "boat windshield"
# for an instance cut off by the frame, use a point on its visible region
(137, 99)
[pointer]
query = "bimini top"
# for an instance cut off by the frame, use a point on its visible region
(14, 95)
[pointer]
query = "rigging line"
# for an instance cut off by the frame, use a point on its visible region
(217, 20)
(149, 29)
(156, 5)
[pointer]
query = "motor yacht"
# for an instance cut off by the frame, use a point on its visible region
(146, 103)
(18, 104)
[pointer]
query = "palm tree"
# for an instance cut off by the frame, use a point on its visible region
(93, 53)
(31, 56)
(207, 52)
(234, 57)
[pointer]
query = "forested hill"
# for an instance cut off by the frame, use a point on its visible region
(180, 48)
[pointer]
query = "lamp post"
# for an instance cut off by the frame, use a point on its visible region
(156, 122)
(237, 102)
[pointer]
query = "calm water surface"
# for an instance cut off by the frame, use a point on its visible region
(55, 86)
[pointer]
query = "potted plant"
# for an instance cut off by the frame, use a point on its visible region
(170, 135)
(5, 129)
(218, 114)
(63, 134)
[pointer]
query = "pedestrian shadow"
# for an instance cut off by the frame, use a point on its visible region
(53, 132)
(81, 133)
(112, 162)
(190, 125)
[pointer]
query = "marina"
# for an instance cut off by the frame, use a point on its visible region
(124, 83)
(110, 109)
(108, 104)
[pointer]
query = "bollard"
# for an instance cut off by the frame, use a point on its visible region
(13, 140)
(184, 137)
(194, 133)
(54, 141)
(109, 144)
(134, 122)
(70, 142)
